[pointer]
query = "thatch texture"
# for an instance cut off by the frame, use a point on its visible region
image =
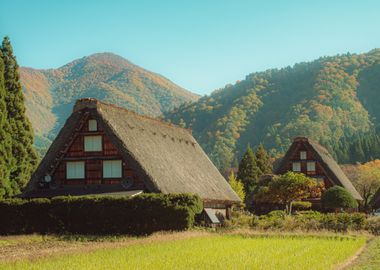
(332, 168)
(166, 157)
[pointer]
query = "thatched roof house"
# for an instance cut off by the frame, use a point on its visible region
(106, 149)
(309, 157)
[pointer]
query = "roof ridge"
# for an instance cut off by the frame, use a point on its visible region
(84, 103)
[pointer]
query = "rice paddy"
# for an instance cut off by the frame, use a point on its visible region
(210, 251)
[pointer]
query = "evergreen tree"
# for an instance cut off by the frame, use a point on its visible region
(5, 140)
(248, 172)
(20, 127)
(263, 160)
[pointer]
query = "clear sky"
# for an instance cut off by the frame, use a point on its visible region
(200, 45)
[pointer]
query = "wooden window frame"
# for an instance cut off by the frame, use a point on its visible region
(89, 125)
(93, 151)
(74, 179)
(307, 166)
(300, 166)
(113, 178)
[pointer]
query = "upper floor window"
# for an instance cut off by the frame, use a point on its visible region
(296, 166)
(75, 170)
(311, 166)
(92, 125)
(112, 169)
(92, 143)
(303, 155)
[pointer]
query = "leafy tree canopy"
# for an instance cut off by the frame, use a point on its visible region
(286, 189)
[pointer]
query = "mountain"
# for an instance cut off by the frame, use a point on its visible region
(331, 100)
(51, 93)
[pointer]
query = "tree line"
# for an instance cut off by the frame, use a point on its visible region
(18, 158)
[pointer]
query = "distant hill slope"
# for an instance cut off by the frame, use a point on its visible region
(330, 100)
(50, 94)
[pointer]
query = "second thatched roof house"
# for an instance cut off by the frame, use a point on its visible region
(104, 149)
(312, 159)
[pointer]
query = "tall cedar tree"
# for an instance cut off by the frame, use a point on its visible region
(20, 127)
(5, 140)
(248, 172)
(263, 161)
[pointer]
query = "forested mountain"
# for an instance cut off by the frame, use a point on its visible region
(334, 100)
(50, 94)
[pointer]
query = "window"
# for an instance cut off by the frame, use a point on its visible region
(296, 166)
(303, 155)
(92, 125)
(112, 169)
(311, 166)
(75, 170)
(92, 143)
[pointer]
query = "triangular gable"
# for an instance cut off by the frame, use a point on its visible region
(332, 169)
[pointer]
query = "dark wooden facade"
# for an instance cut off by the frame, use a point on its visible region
(93, 161)
(319, 173)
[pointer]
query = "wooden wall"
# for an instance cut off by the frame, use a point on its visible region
(94, 162)
(310, 156)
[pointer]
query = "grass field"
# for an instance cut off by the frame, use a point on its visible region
(209, 251)
(370, 257)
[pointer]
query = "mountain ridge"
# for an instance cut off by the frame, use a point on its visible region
(51, 93)
(330, 100)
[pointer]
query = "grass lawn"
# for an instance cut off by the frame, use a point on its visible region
(210, 251)
(370, 257)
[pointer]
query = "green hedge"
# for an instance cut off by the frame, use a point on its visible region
(137, 215)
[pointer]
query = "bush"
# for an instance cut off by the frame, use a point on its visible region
(239, 219)
(301, 205)
(141, 214)
(314, 221)
(372, 225)
(341, 222)
(338, 197)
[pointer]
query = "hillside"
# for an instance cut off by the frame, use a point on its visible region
(50, 94)
(331, 100)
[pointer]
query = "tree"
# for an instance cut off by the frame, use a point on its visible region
(286, 189)
(367, 181)
(20, 127)
(338, 197)
(248, 172)
(237, 186)
(5, 140)
(263, 160)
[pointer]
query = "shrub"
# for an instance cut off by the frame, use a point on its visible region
(312, 221)
(301, 205)
(372, 225)
(338, 197)
(141, 214)
(341, 222)
(239, 219)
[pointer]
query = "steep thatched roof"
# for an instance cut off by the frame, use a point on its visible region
(325, 159)
(166, 157)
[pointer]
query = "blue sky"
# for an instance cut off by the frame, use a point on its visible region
(200, 45)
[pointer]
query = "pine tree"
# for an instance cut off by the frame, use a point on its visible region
(248, 172)
(20, 127)
(263, 160)
(5, 140)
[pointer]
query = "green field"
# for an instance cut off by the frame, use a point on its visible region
(209, 252)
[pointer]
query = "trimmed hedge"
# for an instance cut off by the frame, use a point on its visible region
(143, 214)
